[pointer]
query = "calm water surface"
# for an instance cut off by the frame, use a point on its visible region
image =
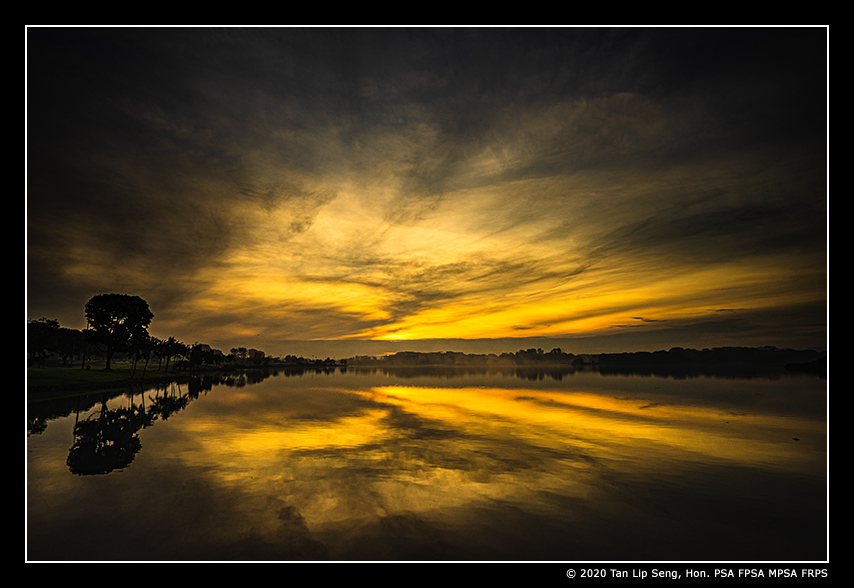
(441, 466)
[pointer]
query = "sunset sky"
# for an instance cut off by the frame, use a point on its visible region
(592, 189)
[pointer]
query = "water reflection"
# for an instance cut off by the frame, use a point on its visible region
(107, 441)
(376, 465)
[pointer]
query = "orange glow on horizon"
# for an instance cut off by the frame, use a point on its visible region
(465, 268)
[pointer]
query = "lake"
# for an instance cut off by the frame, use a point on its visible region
(477, 465)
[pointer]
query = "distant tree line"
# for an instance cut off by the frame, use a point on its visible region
(731, 358)
(665, 361)
(454, 358)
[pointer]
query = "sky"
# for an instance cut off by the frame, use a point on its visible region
(335, 191)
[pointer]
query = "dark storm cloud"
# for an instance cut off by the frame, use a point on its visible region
(112, 143)
(136, 144)
(157, 152)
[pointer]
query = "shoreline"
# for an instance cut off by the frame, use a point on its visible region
(41, 383)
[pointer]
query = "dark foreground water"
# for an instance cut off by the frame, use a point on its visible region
(440, 466)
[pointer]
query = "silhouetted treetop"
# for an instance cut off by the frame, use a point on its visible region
(115, 320)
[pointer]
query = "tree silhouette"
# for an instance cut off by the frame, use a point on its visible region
(107, 441)
(171, 348)
(142, 346)
(115, 320)
(42, 336)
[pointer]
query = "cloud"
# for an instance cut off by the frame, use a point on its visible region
(356, 182)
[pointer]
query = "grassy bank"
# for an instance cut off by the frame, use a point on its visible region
(56, 381)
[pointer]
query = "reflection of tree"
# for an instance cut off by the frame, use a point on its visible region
(171, 402)
(532, 373)
(245, 378)
(166, 406)
(107, 441)
(36, 426)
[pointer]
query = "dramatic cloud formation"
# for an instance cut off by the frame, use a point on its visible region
(403, 184)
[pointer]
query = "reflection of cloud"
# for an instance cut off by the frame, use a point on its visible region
(317, 470)
(380, 476)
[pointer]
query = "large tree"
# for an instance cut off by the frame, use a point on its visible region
(116, 320)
